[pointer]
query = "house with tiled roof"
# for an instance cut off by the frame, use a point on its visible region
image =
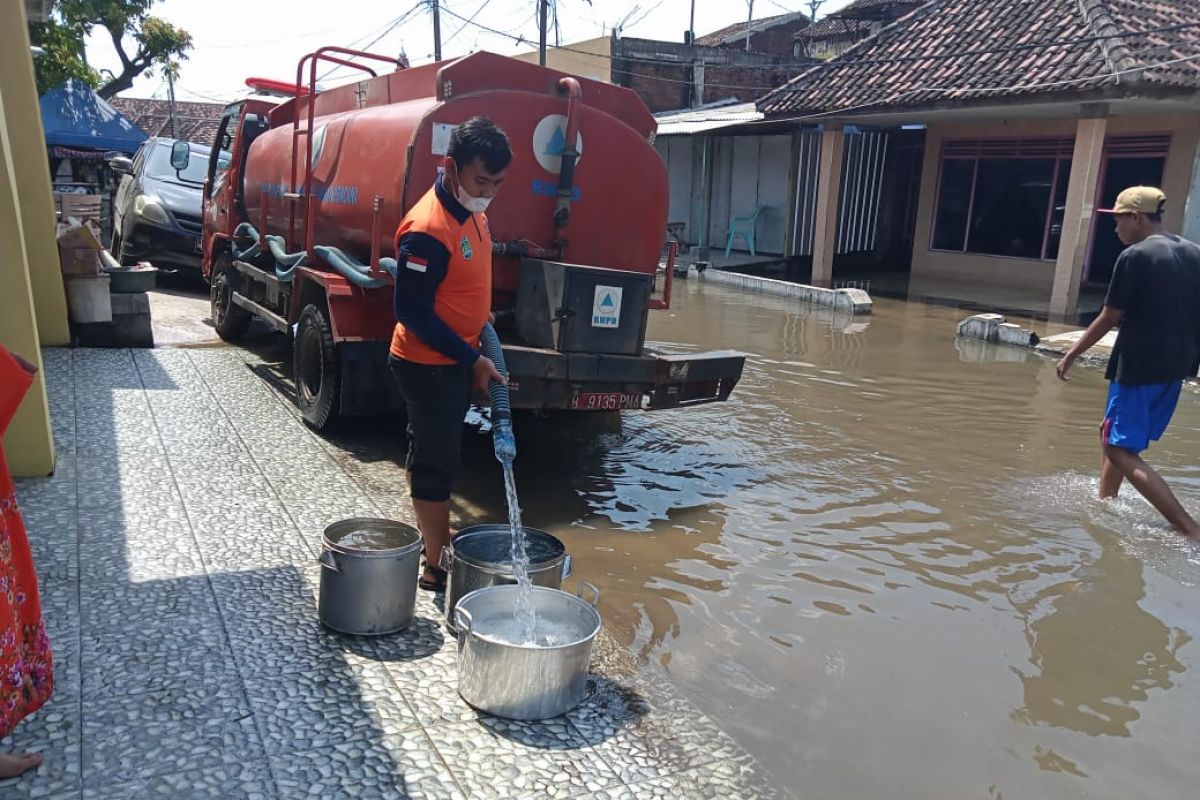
(774, 34)
(846, 27)
(193, 122)
(1035, 113)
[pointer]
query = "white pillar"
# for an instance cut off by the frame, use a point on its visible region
(1190, 229)
(829, 184)
(1079, 215)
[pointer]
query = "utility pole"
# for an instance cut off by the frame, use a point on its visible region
(437, 30)
(543, 9)
(691, 37)
(814, 6)
(170, 70)
(749, 22)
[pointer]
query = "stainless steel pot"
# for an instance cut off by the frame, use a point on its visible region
(479, 556)
(525, 681)
(369, 576)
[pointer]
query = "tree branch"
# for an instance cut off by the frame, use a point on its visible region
(117, 36)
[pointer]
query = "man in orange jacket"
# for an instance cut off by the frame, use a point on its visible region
(443, 298)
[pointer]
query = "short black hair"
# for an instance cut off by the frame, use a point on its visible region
(1155, 218)
(479, 137)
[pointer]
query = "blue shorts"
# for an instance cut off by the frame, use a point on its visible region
(1138, 415)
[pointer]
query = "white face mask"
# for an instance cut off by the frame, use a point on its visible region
(476, 205)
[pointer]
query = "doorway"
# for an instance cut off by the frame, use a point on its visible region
(1128, 161)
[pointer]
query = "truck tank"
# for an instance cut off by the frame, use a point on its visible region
(391, 147)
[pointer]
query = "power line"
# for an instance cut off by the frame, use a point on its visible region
(890, 60)
(387, 28)
(448, 39)
(808, 70)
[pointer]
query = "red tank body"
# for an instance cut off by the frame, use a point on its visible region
(391, 149)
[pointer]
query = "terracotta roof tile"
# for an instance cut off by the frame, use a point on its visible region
(967, 51)
(856, 18)
(194, 122)
(738, 30)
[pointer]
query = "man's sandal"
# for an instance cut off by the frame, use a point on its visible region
(437, 583)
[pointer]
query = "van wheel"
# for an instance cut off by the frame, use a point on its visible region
(315, 368)
(231, 321)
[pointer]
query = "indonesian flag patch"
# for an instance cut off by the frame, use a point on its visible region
(417, 264)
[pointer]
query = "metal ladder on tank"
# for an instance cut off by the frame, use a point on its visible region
(302, 194)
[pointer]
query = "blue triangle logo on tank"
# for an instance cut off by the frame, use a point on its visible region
(558, 141)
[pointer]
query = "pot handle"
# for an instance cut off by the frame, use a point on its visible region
(566, 568)
(446, 559)
(595, 593)
(462, 620)
(328, 561)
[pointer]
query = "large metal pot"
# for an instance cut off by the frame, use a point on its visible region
(538, 680)
(480, 556)
(369, 576)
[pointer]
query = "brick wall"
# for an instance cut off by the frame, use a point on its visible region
(662, 72)
(778, 40)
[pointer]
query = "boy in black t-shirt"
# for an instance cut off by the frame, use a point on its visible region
(1155, 297)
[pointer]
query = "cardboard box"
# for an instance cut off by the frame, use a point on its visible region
(79, 249)
(82, 207)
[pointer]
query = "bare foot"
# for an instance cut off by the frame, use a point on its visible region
(14, 764)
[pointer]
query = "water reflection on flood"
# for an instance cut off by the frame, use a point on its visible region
(880, 565)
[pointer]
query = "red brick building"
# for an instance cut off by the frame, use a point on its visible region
(670, 75)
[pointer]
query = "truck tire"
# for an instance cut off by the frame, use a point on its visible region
(231, 321)
(315, 368)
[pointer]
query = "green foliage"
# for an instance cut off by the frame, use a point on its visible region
(156, 42)
(63, 58)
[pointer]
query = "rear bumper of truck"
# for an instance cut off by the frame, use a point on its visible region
(547, 380)
(544, 379)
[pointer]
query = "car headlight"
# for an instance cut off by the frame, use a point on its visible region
(148, 208)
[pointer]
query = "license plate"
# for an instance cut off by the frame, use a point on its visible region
(605, 401)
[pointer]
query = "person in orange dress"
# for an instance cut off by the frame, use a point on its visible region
(26, 667)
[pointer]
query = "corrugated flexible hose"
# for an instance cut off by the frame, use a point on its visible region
(503, 441)
(285, 263)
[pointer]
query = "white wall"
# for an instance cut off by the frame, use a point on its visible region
(749, 172)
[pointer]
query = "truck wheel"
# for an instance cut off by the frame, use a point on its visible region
(315, 367)
(231, 321)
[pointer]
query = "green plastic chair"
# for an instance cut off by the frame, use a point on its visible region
(743, 227)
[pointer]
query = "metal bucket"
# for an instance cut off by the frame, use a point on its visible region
(479, 556)
(525, 681)
(369, 576)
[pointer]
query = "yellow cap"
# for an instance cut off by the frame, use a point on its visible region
(1138, 200)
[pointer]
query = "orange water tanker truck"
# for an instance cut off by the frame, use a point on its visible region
(306, 187)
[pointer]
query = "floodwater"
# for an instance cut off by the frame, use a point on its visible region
(880, 565)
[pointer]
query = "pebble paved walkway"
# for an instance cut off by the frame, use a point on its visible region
(176, 546)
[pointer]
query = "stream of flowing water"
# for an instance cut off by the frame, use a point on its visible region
(524, 615)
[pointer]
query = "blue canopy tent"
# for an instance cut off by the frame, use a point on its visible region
(76, 117)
